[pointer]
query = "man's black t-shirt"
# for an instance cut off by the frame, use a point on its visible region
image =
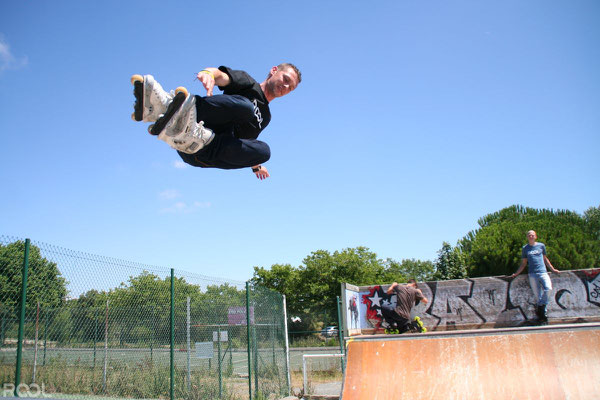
(244, 85)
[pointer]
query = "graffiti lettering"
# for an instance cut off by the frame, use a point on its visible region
(488, 301)
(459, 312)
(558, 296)
(595, 293)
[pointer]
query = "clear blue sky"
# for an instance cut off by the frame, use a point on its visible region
(413, 120)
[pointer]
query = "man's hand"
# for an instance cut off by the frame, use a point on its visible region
(260, 172)
(211, 77)
(207, 78)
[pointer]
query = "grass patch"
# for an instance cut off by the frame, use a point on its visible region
(142, 380)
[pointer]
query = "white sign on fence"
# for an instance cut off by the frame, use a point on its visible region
(204, 350)
(224, 337)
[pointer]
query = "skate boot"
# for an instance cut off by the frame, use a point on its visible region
(151, 100)
(418, 324)
(392, 329)
(542, 315)
(183, 132)
(181, 94)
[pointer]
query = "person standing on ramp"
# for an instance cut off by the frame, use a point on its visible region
(534, 255)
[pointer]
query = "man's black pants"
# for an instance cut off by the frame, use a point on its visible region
(221, 113)
(394, 320)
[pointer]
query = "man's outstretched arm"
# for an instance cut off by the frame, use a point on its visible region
(209, 77)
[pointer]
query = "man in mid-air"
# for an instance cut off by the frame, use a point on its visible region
(217, 131)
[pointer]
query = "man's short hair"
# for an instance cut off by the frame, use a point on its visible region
(293, 67)
(412, 281)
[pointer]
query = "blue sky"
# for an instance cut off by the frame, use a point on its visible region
(413, 120)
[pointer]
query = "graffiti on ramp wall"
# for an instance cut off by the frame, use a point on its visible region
(489, 302)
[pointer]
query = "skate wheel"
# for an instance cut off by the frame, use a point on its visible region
(133, 116)
(136, 78)
(150, 129)
(183, 90)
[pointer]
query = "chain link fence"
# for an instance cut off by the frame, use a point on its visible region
(98, 326)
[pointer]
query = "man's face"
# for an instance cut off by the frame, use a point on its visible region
(282, 81)
(531, 237)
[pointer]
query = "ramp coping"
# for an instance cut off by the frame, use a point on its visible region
(476, 332)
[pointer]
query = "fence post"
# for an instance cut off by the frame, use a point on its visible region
(229, 346)
(273, 339)
(22, 318)
(37, 332)
(95, 334)
(256, 355)
(248, 338)
(155, 318)
(2, 328)
(287, 346)
(189, 348)
(172, 374)
(220, 367)
(45, 336)
(340, 333)
(104, 369)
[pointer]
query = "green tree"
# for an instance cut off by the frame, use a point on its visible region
(87, 313)
(213, 305)
(311, 289)
(408, 269)
(495, 247)
(592, 219)
(139, 309)
(323, 273)
(286, 280)
(450, 264)
(45, 284)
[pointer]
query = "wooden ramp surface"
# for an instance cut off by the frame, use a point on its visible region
(553, 362)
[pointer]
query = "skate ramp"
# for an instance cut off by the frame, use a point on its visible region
(558, 362)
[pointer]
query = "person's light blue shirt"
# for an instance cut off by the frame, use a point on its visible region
(535, 258)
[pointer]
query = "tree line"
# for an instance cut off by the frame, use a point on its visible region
(494, 248)
(138, 309)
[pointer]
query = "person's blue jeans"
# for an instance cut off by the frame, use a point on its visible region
(220, 113)
(541, 285)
